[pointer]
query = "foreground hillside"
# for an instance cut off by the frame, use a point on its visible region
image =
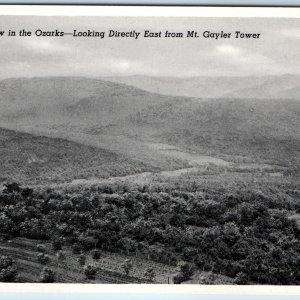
(26, 252)
(228, 226)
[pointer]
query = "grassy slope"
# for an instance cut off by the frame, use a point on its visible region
(109, 269)
(24, 252)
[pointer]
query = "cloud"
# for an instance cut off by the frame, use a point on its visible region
(45, 46)
(122, 65)
(293, 33)
(229, 50)
(239, 55)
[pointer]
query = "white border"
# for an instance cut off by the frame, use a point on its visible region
(138, 11)
(155, 289)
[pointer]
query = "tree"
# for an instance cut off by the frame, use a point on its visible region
(8, 271)
(27, 192)
(56, 244)
(241, 278)
(90, 271)
(43, 258)
(81, 260)
(41, 248)
(149, 274)
(61, 255)
(96, 254)
(47, 275)
(77, 248)
(209, 278)
(185, 269)
(11, 187)
(178, 278)
(127, 266)
(87, 242)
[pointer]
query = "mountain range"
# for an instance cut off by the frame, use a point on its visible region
(281, 87)
(256, 117)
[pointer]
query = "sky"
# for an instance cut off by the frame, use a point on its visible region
(276, 52)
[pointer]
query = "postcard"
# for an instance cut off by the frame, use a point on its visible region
(156, 148)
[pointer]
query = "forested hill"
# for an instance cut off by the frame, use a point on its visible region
(75, 101)
(268, 129)
(30, 159)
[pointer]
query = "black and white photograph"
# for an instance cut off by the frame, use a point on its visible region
(150, 149)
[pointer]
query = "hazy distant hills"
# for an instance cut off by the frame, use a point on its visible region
(123, 119)
(280, 87)
(250, 127)
(283, 86)
(71, 100)
(199, 87)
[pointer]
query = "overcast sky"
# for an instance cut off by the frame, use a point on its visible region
(276, 52)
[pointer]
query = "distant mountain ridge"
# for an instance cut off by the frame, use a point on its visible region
(71, 99)
(277, 86)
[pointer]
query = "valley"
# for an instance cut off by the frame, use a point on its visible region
(168, 186)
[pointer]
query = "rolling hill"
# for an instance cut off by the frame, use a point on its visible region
(268, 129)
(275, 87)
(76, 109)
(199, 87)
(70, 100)
(281, 86)
(30, 159)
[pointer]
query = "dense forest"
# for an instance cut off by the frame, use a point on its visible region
(246, 234)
